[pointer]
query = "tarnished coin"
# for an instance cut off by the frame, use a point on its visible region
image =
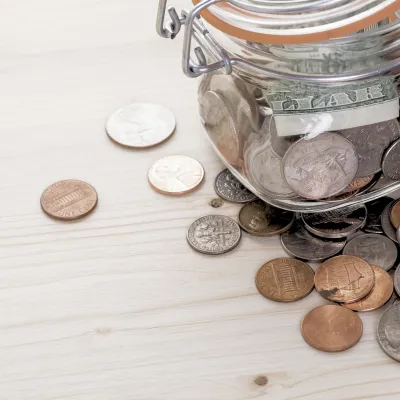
(69, 200)
(176, 175)
(337, 223)
(389, 332)
(141, 125)
(301, 244)
(285, 280)
(370, 142)
(380, 294)
(391, 162)
(264, 170)
(374, 210)
(321, 167)
(375, 249)
(396, 280)
(395, 214)
(214, 234)
(387, 226)
(260, 219)
(220, 125)
(344, 279)
(332, 328)
(230, 189)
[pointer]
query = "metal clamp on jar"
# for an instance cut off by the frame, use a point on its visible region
(299, 98)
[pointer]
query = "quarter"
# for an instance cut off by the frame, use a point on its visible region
(285, 280)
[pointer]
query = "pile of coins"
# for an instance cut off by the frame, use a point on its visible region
(356, 245)
(324, 166)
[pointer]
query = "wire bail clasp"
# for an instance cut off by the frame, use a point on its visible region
(173, 27)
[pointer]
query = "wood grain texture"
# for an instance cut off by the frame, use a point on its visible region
(117, 306)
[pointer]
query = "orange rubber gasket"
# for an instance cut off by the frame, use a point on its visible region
(239, 33)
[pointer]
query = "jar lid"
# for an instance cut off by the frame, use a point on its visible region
(297, 21)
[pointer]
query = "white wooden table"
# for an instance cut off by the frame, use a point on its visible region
(117, 306)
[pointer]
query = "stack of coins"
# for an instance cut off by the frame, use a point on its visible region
(356, 246)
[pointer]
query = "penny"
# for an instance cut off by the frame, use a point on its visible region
(220, 125)
(264, 170)
(374, 249)
(374, 210)
(370, 142)
(344, 279)
(214, 234)
(230, 189)
(285, 280)
(380, 294)
(389, 332)
(396, 280)
(387, 226)
(141, 125)
(176, 175)
(332, 328)
(395, 214)
(358, 183)
(321, 167)
(341, 197)
(69, 200)
(391, 162)
(371, 185)
(299, 243)
(337, 223)
(260, 219)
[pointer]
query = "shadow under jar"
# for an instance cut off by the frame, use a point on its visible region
(299, 99)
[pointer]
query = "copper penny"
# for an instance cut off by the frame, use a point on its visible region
(358, 183)
(344, 279)
(332, 328)
(285, 280)
(69, 200)
(395, 214)
(380, 294)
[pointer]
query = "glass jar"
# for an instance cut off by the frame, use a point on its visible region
(299, 98)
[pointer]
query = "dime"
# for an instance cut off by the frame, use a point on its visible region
(374, 249)
(214, 234)
(285, 280)
(395, 214)
(391, 162)
(387, 226)
(389, 332)
(260, 219)
(320, 167)
(396, 280)
(332, 328)
(300, 243)
(141, 125)
(344, 279)
(230, 189)
(221, 127)
(176, 175)
(380, 294)
(338, 223)
(264, 170)
(374, 210)
(371, 141)
(69, 200)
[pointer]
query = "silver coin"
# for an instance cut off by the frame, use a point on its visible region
(374, 210)
(230, 189)
(389, 332)
(374, 249)
(264, 170)
(386, 224)
(299, 243)
(280, 145)
(141, 125)
(370, 142)
(214, 234)
(398, 235)
(337, 223)
(321, 167)
(221, 126)
(396, 280)
(391, 162)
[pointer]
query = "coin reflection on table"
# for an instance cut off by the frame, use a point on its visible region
(332, 328)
